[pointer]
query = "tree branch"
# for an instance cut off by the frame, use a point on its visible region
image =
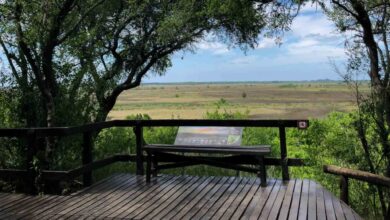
(74, 28)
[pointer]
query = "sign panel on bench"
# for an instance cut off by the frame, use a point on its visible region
(198, 136)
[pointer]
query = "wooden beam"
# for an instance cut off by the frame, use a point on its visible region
(344, 189)
(13, 174)
(87, 157)
(138, 131)
(222, 123)
(31, 175)
(358, 174)
(283, 153)
(66, 131)
(245, 160)
(67, 175)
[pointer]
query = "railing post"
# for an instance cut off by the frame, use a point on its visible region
(283, 153)
(138, 130)
(344, 189)
(31, 172)
(87, 157)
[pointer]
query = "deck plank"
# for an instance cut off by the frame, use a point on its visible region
(287, 201)
(132, 200)
(238, 200)
(212, 195)
(210, 202)
(176, 198)
(101, 201)
(312, 209)
(147, 197)
(294, 208)
(256, 206)
(337, 208)
(246, 201)
(127, 196)
(278, 202)
(190, 196)
(91, 198)
(228, 193)
(303, 206)
(57, 200)
(209, 189)
(320, 203)
(329, 208)
(227, 207)
(47, 212)
(347, 211)
(270, 202)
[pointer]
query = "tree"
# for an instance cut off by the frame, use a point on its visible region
(81, 55)
(367, 25)
(69, 60)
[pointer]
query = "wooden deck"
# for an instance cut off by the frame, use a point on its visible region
(126, 196)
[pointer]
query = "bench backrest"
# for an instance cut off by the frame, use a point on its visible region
(227, 136)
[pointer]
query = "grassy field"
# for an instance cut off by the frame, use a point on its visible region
(263, 100)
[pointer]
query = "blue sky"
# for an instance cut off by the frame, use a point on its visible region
(305, 54)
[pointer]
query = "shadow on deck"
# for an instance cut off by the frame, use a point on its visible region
(126, 196)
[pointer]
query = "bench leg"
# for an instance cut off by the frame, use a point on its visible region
(262, 172)
(155, 166)
(148, 166)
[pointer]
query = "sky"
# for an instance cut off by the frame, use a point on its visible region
(306, 53)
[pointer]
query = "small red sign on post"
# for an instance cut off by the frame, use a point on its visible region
(303, 124)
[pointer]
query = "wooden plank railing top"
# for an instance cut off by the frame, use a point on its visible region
(358, 174)
(65, 131)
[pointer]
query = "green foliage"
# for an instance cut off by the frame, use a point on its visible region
(333, 140)
(220, 112)
(289, 85)
(11, 150)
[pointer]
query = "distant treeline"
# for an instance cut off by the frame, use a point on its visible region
(253, 82)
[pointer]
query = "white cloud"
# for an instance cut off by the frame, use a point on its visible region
(304, 43)
(266, 43)
(303, 51)
(313, 25)
(314, 52)
(312, 40)
(213, 47)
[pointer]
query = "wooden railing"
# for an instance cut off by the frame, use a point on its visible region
(346, 173)
(32, 135)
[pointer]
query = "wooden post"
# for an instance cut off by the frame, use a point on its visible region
(148, 166)
(344, 189)
(138, 130)
(87, 157)
(31, 172)
(283, 153)
(262, 172)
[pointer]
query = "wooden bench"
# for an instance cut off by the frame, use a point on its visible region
(258, 152)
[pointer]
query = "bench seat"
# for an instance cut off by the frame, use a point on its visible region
(252, 150)
(258, 152)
